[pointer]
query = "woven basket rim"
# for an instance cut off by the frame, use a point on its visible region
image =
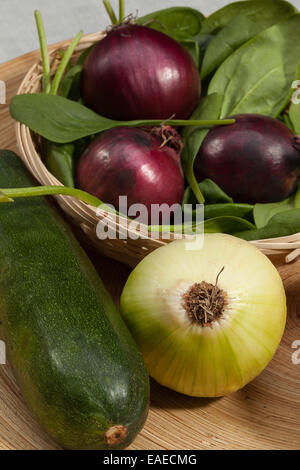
(286, 244)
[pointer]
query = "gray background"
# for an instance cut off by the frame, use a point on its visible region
(64, 18)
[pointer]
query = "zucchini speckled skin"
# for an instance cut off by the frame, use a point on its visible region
(74, 359)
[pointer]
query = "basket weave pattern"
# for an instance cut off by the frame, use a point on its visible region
(132, 249)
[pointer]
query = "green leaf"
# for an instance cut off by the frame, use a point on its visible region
(84, 54)
(256, 10)
(57, 118)
(243, 211)
(193, 137)
(280, 225)
(223, 224)
(193, 49)
(294, 115)
(228, 225)
(291, 116)
(71, 82)
(263, 213)
(257, 77)
(178, 22)
(60, 162)
(212, 193)
(217, 203)
(61, 120)
(196, 46)
(182, 24)
(69, 79)
(284, 117)
(231, 37)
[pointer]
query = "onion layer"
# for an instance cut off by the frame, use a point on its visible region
(207, 321)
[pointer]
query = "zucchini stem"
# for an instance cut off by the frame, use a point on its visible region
(44, 52)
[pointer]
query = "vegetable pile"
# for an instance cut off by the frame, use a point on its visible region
(147, 72)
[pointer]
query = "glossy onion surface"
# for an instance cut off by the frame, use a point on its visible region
(255, 160)
(131, 162)
(138, 73)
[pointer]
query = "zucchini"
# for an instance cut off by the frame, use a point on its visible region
(73, 357)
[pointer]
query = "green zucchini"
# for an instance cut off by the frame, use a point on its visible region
(73, 357)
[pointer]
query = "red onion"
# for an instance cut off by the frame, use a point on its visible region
(135, 163)
(255, 160)
(139, 73)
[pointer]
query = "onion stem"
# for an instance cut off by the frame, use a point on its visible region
(110, 12)
(44, 52)
(121, 11)
(65, 60)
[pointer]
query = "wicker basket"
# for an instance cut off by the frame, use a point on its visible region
(135, 247)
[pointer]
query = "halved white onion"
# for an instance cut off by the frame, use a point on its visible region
(220, 356)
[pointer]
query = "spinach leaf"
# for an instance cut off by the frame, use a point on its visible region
(280, 225)
(84, 54)
(71, 83)
(285, 119)
(56, 118)
(61, 120)
(60, 162)
(212, 211)
(291, 116)
(69, 79)
(225, 224)
(294, 115)
(231, 37)
(243, 211)
(212, 193)
(257, 77)
(193, 137)
(182, 24)
(193, 49)
(197, 46)
(256, 10)
(217, 203)
(178, 22)
(263, 213)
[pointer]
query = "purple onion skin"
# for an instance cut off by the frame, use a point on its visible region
(255, 160)
(138, 73)
(131, 162)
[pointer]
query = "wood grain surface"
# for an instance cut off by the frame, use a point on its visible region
(264, 415)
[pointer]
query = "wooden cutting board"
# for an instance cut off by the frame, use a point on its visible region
(264, 415)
